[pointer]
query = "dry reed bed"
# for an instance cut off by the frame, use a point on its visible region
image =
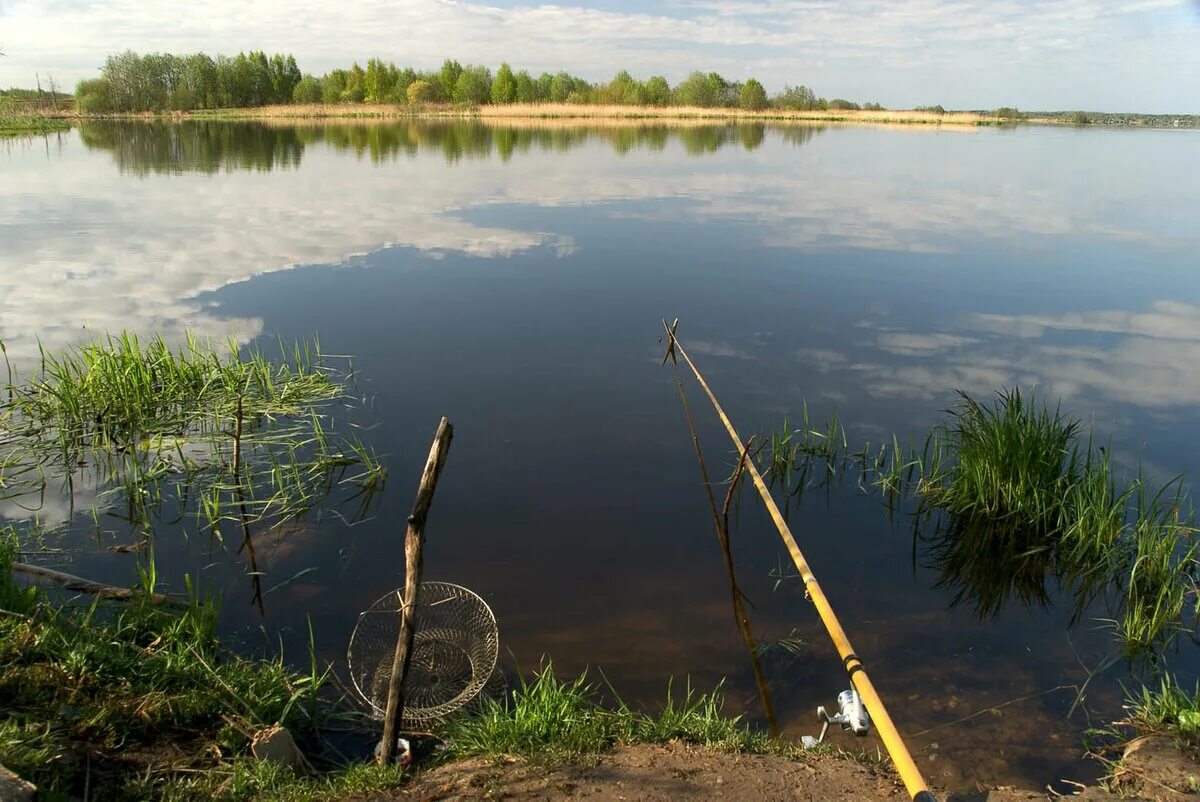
(571, 111)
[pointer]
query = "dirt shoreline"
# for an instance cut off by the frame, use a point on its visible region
(1154, 769)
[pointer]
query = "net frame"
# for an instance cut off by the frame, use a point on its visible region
(456, 648)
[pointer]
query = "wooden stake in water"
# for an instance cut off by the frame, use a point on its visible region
(892, 740)
(413, 542)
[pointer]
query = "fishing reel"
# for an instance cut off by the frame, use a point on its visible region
(852, 715)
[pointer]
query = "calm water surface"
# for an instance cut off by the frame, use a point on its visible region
(514, 279)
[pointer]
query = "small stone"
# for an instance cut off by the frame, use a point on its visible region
(14, 789)
(275, 744)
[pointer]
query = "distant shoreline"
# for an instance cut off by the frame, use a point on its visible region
(568, 113)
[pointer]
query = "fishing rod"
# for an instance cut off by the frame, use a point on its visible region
(914, 783)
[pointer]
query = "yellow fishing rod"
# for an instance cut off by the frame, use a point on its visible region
(905, 767)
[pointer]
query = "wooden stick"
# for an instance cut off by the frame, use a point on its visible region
(721, 522)
(413, 542)
(892, 740)
(72, 582)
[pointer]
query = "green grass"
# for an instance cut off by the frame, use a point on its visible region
(552, 719)
(108, 696)
(1013, 462)
(1167, 709)
(13, 123)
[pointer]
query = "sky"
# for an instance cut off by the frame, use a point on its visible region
(1103, 55)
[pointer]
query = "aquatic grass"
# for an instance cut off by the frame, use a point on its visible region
(1161, 576)
(1014, 461)
(243, 437)
(1009, 498)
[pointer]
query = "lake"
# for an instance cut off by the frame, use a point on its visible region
(515, 279)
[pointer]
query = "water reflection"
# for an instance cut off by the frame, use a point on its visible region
(986, 565)
(141, 148)
(194, 147)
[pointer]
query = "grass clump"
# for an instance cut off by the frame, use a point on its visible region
(1013, 462)
(1168, 709)
(552, 719)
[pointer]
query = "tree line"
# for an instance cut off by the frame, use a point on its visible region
(164, 82)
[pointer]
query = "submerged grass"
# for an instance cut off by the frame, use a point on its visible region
(234, 437)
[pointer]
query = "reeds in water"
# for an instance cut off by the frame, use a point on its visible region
(1010, 498)
(233, 436)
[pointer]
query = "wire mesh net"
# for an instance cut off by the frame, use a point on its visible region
(455, 647)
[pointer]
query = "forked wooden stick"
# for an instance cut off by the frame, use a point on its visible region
(413, 542)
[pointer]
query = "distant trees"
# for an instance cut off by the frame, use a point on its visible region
(166, 82)
(753, 96)
(527, 88)
(474, 85)
(658, 91)
(448, 77)
(308, 90)
(420, 91)
(798, 98)
(161, 82)
(504, 85)
(698, 89)
(93, 97)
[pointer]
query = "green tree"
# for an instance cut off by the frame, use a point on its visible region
(696, 90)
(379, 81)
(504, 85)
(474, 85)
(420, 91)
(796, 98)
(451, 70)
(527, 88)
(332, 86)
(404, 79)
(545, 84)
(658, 91)
(355, 90)
(308, 90)
(561, 86)
(841, 104)
(752, 96)
(623, 89)
(284, 76)
(93, 96)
